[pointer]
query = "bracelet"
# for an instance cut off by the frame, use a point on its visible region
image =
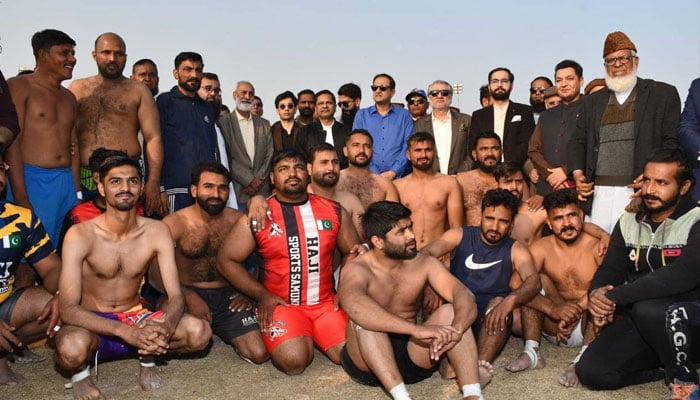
(366, 246)
(79, 195)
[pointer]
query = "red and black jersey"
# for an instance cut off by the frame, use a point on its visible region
(297, 249)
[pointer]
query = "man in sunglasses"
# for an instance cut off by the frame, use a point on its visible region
(349, 99)
(390, 127)
(450, 129)
(617, 128)
(537, 89)
(417, 102)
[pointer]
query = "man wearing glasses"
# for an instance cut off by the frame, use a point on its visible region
(513, 122)
(417, 102)
(390, 127)
(617, 128)
(349, 99)
(537, 89)
(450, 129)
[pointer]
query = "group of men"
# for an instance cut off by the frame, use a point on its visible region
(385, 193)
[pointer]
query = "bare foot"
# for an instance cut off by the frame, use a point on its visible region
(527, 360)
(446, 370)
(86, 390)
(25, 356)
(568, 378)
(149, 378)
(485, 373)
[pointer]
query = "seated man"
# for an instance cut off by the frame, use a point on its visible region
(566, 260)
(297, 252)
(198, 232)
(380, 291)
(485, 259)
(30, 313)
(105, 260)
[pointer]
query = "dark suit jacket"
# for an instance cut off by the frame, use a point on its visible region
(689, 131)
(243, 169)
(657, 112)
(517, 129)
(459, 159)
(313, 134)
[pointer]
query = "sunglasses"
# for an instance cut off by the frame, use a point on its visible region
(382, 88)
(289, 106)
(537, 90)
(344, 104)
(416, 102)
(443, 93)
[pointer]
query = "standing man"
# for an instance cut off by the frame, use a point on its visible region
(537, 88)
(187, 123)
(450, 129)
(689, 131)
(325, 129)
(257, 109)
(349, 99)
(616, 129)
(390, 127)
(417, 102)
(513, 122)
(385, 344)
(307, 105)
(650, 265)
(111, 111)
(357, 178)
(44, 166)
(548, 144)
(104, 262)
(295, 299)
(9, 126)
(474, 183)
(249, 145)
(285, 132)
(146, 72)
(198, 232)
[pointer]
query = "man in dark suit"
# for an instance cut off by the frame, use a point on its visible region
(249, 146)
(513, 122)
(617, 128)
(450, 129)
(317, 132)
(689, 131)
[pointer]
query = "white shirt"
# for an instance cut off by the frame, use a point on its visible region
(248, 133)
(443, 140)
(499, 120)
(232, 202)
(329, 132)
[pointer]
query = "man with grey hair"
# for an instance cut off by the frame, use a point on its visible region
(249, 143)
(450, 129)
(617, 128)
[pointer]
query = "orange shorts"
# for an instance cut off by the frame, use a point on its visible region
(325, 326)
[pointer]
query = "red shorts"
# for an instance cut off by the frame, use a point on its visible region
(324, 325)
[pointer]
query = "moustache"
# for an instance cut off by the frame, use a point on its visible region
(568, 228)
(650, 197)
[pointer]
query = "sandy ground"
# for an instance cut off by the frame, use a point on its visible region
(223, 375)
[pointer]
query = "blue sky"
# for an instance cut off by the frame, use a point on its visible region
(281, 45)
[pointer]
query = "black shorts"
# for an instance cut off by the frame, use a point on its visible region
(410, 372)
(225, 323)
(7, 306)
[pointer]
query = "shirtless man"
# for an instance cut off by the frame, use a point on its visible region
(324, 170)
(567, 261)
(379, 291)
(296, 306)
(357, 178)
(487, 155)
(44, 169)
(485, 259)
(146, 72)
(198, 231)
(111, 110)
(104, 262)
(26, 314)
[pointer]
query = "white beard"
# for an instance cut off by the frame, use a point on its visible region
(619, 84)
(243, 105)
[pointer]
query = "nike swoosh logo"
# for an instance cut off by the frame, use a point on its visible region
(469, 263)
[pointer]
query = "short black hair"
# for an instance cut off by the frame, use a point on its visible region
(48, 38)
(311, 153)
(510, 74)
(382, 216)
(351, 90)
(100, 154)
(506, 169)
(484, 92)
(421, 137)
(675, 155)
(142, 62)
(501, 197)
(285, 95)
(570, 64)
(544, 78)
(307, 91)
(211, 76)
(560, 199)
(188, 56)
(324, 91)
(392, 82)
(118, 161)
(287, 154)
(258, 99)
(487, 135)
(360, 131)
(213, 167)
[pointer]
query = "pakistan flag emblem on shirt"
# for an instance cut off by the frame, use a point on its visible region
(11, 241)
(324, 224)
